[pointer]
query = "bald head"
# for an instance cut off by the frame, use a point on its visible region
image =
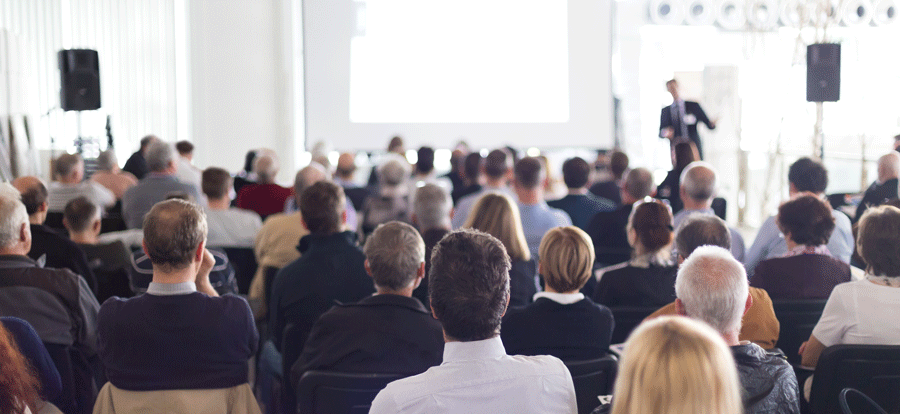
(889, 166)
(307, 176)
(346, 166)
(698, 182)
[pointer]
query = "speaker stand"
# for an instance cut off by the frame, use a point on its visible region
(818, 136)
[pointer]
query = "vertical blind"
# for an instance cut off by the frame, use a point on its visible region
(136, 41)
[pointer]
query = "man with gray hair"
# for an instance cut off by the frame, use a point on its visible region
(265, 197)
(58, 303)
(70, 184)
(391, 202)
(712, 287)
(885, 186)
(390, 332)
(110, 176)
(432, 212)
(698, 188)
(607, 228)
(153, 188)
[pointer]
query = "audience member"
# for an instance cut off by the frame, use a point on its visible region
(712, 287)
(675, 365)
(759, 324)
(228, 226)
(683, 154)
(804, 175)
(496, 170)
(697, 189)
(391, 202)
(70, 184)
(885, 187)
(330, 268)
(561, 322)
(222, 277)
(137, 164)
(291, 205)
(648, 279)
(390, 332)
(579, 204)
(185, 171)
(456, 174)
(21, 388)
(265, 197)
(612, 189)
(607, 229)
(432, 211)
(36, 355)
(396, 150)
(246, 175)
(807, 270)
(471, 173)
(496, 214)
(344, 176)
(216, 336)
(469, 291)
(56, 302)
(153, 188)
(858, 312)
(110, 176)
(108, 261)
(423, 172)
(48, 247)
(537, 217)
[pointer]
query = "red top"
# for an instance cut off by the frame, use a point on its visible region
(264, 199)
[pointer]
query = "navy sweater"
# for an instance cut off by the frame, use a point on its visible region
(579, 331)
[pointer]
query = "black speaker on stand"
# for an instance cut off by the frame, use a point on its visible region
(823, 72)
(79, 83)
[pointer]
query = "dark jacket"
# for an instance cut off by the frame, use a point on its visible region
(876, 195)
(626, 285)
(609, 190)
(137, 165)
(807, 276)
(582, 207)
(523, 283)
(607, 230)
(460, 192)
(670, 189)
(61, 253)
(690, 108)
(388, 334)
(579, 331)
(768, 381)
(431, 238)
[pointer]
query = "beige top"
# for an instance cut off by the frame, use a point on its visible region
(115, 182)
(275, 246)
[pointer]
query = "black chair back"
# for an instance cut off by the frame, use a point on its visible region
(78, 387)
(244, 262)
(592, 378)
(626, 319)
(853, 401)
(54, 220)
(321, 392)
(872, 369)
(719, 207)
(797, 319)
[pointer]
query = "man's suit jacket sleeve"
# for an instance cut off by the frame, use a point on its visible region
(701, 116)
(665, 120)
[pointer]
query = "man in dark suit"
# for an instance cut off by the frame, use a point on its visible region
(389, 332)
(678, 121)
(885, 187)
(580, 204)
(607, 228)
(137, 162)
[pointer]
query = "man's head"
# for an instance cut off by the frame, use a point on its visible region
(185, 149)
(472, 167)
(701, 230)
(266, 167)
(638, 184)
(216, 183)
(161, 158)
(567, 257)
(392, 173)
(468, 286)
(147, 141)
(576, 172)
(712, 286)
(432, 207)
(425, 160)
(322, 206)
(456, 158)
(107, 161)
(34, 196)
(698, 183)
(69, 168)
(497, 164)
(346, 166)
(174, 235)
(618, 164)
(397, 146)
(15, 232)
(807, 175)
(530, 174)
(307, 176)
(81, 216)
(889, 166)
(395, 257)
(672, 87)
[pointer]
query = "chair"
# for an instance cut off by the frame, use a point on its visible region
(236, 400)
(797, 319)
(872, 369)
(719, 207)
(54, 220)
(626, 319)
(75, 371)
(244, 262)
(869, 406)
(321, 392)
(592, 378)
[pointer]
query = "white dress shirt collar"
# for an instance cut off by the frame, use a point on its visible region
(171, 289)
(474, 350)
(561, 298)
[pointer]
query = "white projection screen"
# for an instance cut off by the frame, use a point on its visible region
(528, 73)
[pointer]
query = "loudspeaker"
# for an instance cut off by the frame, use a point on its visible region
(823, 72)
(79, 71)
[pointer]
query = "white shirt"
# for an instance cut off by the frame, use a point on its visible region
(478, 377)
(233, 227)
(171, 289)
(187, 172)
(560, 298)
(861, 313)
(60, 194)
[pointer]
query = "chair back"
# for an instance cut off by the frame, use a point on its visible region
(244, 262)
(853, 401)
(872, 369)
(592, 378)
(626, 319)
(54, 220)
(322, 392)
(235, 400)
(797, 319)
(719, 207)
(78, 390)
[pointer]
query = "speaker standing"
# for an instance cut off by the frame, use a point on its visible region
(678, 121)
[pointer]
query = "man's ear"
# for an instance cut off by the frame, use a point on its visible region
(343, 217)
(198, 255)
(748, 304)
(452, 213)
(681, 192)
(368, 269)
(42, 207)
(414, 219)
(25, 232)
(303, 222)
(680, 259)
(144, 247)
(420, 275)
(679, 307)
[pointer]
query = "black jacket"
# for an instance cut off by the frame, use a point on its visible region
(693, 109)
(876, 195)
(626, 285)
(137, 165)
(768, 381)
(523, 283)
(575, 332)
(607, 230)
(61, 253)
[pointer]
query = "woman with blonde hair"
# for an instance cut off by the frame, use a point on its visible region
(561, 322)
(676, 365)
(497, 214)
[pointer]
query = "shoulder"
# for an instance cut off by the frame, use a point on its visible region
(610, 272)
(541, 365)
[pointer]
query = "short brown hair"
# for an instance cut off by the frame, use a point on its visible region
(808, 219)
(80, 213)
(468, 285)
(878, 242)
(173, 230)
(576, 172)
(618, 163)
(322, 205)
(652, 222)
(215, 182)
(34, 196)
(65, 164)
(394, 251)
(496, 164)
(529, 172)
(567, 257)
(184, 147)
